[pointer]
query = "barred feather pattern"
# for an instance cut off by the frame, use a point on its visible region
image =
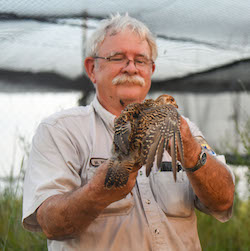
(142, 132)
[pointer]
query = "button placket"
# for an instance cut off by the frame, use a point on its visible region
(152, 212)
(157, 231)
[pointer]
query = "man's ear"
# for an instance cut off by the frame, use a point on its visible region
(89, 64)
(153, 68)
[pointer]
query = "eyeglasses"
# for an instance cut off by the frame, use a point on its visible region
(140, 62)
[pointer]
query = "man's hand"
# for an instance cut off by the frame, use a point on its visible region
(212, 183)
(66, 215)
(109, 195)
(191, 147)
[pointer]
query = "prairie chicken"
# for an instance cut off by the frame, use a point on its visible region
(143, 131)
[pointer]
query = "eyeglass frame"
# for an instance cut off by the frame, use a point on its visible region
(108, 58)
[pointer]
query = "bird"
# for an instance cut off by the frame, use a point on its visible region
(141, 133)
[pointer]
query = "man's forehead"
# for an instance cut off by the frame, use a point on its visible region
(120, 42)
(120, 52)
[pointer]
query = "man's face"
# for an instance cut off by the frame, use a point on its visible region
(130, 45)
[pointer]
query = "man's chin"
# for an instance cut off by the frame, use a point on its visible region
(132, 93)
(131, 96)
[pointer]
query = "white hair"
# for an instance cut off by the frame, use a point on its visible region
(116, 24)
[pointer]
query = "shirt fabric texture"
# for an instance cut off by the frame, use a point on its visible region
(159, 214)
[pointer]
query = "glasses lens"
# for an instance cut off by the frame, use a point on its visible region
(117, 59)
(139, 62)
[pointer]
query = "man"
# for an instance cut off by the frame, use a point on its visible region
(64, 193)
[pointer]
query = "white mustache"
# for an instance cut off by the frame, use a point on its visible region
(122, 79)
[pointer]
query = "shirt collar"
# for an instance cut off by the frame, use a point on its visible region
(105, 115)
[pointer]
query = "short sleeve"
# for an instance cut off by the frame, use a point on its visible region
(53, 168)
(193, 128)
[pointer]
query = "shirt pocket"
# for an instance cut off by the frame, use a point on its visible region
(119, 208)
(93, 165)
(174, 198)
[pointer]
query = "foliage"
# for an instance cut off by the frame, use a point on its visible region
(231, 235)
(245, 138)
(12, 235)
(240, 158)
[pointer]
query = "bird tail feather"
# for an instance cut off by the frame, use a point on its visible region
(116, 176)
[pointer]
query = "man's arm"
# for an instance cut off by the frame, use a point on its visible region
(212, 183)
(67, 215)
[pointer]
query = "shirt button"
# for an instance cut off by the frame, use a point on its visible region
(141, 173)
(148, 201)
(157, 231)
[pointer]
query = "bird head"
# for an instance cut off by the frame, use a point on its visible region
(166, 99)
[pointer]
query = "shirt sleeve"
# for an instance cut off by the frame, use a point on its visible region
(53, 168)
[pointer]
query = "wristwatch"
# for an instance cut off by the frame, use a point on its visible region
(201, 161)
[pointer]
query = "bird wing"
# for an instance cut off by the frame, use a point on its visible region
(121, 137)
(164, 127)
(125, 126)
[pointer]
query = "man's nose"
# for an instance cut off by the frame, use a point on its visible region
(130, 67)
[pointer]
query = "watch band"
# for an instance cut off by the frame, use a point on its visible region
(201, 161)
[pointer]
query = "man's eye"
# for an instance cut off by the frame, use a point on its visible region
(116, 58)
(141, 60)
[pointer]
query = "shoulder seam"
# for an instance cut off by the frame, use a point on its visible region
(55, 120)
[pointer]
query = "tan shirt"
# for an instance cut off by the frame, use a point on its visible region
(66, 151)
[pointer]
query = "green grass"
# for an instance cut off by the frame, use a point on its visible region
(229, 236)
(12, 235)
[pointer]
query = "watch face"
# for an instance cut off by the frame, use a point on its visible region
(203, 158)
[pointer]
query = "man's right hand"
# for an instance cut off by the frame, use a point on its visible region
(65, 216)
(107, 196)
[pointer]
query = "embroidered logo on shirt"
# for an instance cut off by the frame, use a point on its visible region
(95, 162)
(204, 144)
